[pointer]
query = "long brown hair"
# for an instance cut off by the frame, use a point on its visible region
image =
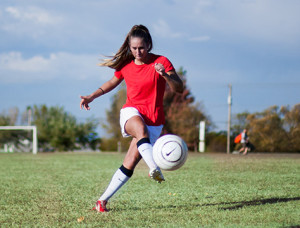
(124, 54)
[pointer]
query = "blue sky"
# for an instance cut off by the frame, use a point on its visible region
(49, 50)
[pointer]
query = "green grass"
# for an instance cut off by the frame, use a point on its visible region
(215, 190)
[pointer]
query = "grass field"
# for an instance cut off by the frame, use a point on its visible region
(210, 190)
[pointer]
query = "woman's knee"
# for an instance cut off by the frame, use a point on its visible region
(136, 127)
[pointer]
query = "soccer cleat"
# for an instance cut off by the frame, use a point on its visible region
(156, 175)
(101, 206)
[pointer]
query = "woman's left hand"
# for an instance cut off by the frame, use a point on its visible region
(160, 68)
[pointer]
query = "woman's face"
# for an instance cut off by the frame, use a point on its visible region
(138, 49)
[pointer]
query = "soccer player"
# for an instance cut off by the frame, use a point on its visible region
(142, 116)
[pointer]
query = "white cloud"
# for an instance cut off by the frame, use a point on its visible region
(14, 61)
(162, 29)
(266, 21)
(30, 21)
(14, 68)
(32, 14)
(13, 11)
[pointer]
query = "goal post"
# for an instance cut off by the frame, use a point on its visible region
(34, 134)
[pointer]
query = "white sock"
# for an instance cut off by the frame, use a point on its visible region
(146, 150)
(117, 181)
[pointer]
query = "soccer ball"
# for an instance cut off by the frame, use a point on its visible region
(170, 152)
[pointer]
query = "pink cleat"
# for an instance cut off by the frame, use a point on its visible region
(101, 206)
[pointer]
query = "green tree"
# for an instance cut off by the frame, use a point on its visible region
(292, 126)
(182, 114)
(216, 141)
(272, 130)
(10, 119)
(58, 130)
(240, 122)
(266, 130)
(112, 123)
(86, 134)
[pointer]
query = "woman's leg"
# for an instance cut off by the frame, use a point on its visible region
(121, 176)
(136, 127)
(139, 147)
(132, 156)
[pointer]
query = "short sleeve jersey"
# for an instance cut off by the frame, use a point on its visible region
(145, 88)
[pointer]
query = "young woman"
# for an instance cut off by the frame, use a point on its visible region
(142, 116)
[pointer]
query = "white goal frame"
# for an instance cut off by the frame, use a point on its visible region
(34, 134)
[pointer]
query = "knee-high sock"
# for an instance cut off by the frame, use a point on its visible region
(145, 149)
(120, 177)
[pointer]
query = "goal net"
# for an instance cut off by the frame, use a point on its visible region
(22, 142)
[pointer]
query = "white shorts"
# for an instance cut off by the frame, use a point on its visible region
(127, 113)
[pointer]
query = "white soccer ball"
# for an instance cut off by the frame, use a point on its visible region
(170, 152)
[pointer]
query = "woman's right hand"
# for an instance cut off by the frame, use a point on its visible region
(85, 100)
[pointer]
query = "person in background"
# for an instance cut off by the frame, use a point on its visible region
(244, 142)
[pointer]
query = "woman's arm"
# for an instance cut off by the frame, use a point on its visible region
(105, 88)
(171, 78)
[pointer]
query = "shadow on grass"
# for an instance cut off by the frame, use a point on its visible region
(242, 204)
(237, 205)
(256, 202)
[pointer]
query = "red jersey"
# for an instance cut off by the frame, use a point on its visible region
(146, 88)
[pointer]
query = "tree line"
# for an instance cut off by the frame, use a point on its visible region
(276, 129)
(272, 130)
(58, 130)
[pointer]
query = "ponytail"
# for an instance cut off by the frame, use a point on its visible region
(124, 55)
